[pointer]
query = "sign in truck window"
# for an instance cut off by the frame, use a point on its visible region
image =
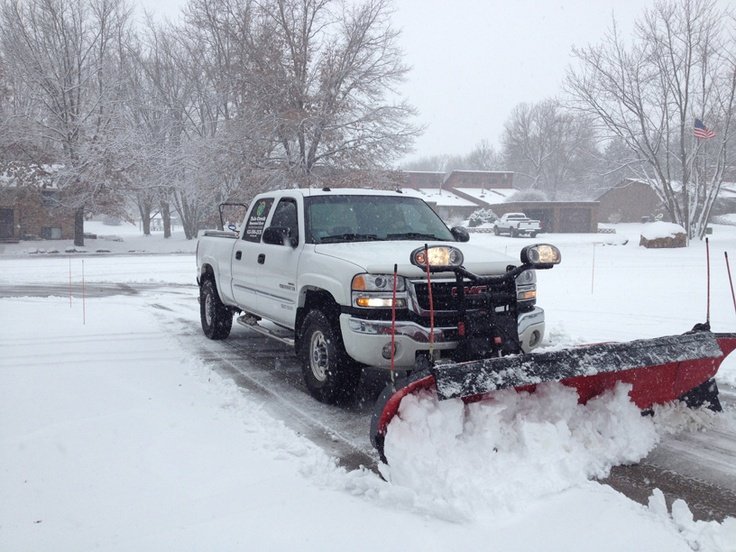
(257, 220)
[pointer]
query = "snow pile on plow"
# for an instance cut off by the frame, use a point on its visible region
(505, 452)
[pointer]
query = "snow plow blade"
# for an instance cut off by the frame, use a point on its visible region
(659, 370)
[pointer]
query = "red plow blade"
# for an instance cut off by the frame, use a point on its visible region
(659, 370)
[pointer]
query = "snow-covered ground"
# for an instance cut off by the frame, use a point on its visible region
(115, 435)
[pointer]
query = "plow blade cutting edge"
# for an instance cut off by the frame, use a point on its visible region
(659, 370)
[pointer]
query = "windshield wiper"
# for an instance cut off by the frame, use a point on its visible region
(348, 238)
(412, 236)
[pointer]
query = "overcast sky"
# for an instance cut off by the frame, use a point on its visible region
(474, 60)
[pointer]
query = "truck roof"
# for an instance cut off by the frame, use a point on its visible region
(307, 192)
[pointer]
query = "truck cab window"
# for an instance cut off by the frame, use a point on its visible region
(285, 215)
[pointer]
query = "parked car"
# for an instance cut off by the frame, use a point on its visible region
(517, 224)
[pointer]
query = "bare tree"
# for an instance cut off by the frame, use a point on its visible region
(322, 73)
(550, 148)
(484, 157)
(66, 56)
(682, 67)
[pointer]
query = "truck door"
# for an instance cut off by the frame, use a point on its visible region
(278, 263)
(244, 262)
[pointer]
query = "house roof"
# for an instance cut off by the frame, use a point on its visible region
(480, 179)
(490, 196)
(443, 198)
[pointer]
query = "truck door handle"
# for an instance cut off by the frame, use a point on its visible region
(238, 255)
(261, 258)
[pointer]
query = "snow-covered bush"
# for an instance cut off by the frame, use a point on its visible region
(481, 216)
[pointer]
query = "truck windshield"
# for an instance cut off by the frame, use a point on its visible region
(345, 218)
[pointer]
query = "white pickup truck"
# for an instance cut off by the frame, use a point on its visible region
(338, 275)
(517, 224)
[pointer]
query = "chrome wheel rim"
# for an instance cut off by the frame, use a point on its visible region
(208, 308)
(319, 357)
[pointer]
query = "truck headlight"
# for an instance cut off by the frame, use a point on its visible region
(376, 291)
(526, 286)
(378, 282)
(526, 277)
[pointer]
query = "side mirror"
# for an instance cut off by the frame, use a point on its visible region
(542, 255)
(278, 235)
(460, 233)
(232, 227)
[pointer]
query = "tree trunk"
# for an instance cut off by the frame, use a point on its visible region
(166, 216)
(79, 227)
(146, 222)
(144, 209)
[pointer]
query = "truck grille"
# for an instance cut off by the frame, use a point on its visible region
(503, 295)
(442, 295)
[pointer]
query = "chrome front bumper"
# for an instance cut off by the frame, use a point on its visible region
(365, 339)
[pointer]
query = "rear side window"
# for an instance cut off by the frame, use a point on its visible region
(257, 219)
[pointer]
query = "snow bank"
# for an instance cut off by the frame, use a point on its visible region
(497, 458)
(659, 229)
(501, 454)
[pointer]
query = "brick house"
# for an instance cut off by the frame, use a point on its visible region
(457, 194)
(461, 192)
(30, 206)
(629, 201)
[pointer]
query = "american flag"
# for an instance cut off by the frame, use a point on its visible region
(701, 131)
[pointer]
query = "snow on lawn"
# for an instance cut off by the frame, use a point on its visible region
(114, 437)
(118, 238)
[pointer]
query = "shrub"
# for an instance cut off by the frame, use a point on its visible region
(481, 216)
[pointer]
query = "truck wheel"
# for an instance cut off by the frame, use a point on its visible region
(533, 235)
(496, 231)
(514, 233)
(330, 374)
(216, 318)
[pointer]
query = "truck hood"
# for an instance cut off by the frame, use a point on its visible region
(379, 257)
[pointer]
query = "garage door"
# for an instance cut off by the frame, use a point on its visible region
(575, 219)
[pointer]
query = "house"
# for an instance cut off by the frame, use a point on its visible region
(726, 202)
(459, 193)
(556, 216)
(635, 200)
(629, 201)
(456, 195)
(30, 206)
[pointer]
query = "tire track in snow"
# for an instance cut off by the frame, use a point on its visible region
(270, 373)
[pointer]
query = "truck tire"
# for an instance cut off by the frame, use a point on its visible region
(496, 231)
(331, 376)
(533, 235)
(514, 232)
(216, 318)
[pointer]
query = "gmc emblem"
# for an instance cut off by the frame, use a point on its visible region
(470, 290)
